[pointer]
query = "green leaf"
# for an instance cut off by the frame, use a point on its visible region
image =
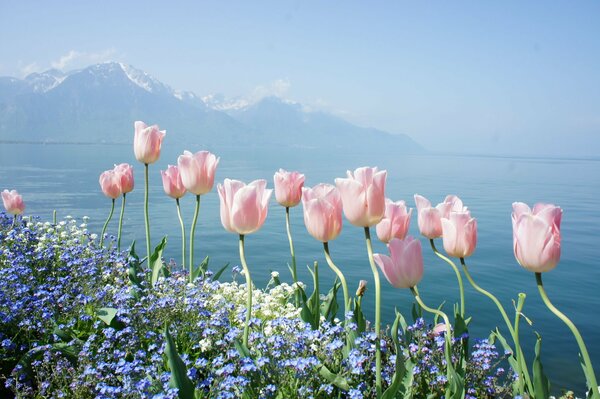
(179, 378)
(108, 316)
(69, 350)
(329, 306)
(310, 312)
(358, 317)
(242, 349)
(134, 267)
(218, 274)
(200, 269)
(541, 385)
(333, 378)
(156, 264)
(416, 311)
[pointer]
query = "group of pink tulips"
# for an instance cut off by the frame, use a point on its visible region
(361, 197)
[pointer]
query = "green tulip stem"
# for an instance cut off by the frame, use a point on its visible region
(146, 216)
(192, 233)
(249, 288)
(377, 313)
(121, 222)
(54, 217)
(589, 371)
(182, 238)
(340, 275)
(518, 351)
(14, 223)
(447, 336)
(458, 277)
(518, 313)
(112, 209)
(292, 252)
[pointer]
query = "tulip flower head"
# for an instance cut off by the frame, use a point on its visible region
(288, 187)
(147, 141)
(243, 207)
(322, 206)
(172, 183)
(536, 236)
(459, 232)
(430, 218)
(124, 173)
(13, 202)
(197, 171)
(110, 184)
(395, 222)
(404, 268)
(363, 196)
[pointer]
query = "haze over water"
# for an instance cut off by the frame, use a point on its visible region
(65, 178)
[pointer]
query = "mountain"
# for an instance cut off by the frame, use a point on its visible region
(99, 104)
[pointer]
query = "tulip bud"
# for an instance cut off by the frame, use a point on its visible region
(147, 141)
(363, 196)
(362, 287)
(13, 202)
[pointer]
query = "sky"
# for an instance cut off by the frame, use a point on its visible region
(509, 78)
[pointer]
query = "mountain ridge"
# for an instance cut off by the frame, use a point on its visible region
(100, 102)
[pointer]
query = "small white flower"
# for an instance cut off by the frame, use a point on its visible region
(274, 274)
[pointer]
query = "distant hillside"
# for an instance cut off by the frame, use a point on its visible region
(99, 104)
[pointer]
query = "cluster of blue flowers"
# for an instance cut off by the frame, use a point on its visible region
(57, 288)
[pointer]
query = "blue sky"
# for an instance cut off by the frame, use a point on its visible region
(492, 77)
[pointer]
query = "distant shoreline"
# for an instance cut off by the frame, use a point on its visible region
(40, 142)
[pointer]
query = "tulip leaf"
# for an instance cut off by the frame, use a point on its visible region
(310, 308)
(200, 269)
(156, 263)
(541, 385)
(218, 274)
(329, 306)
(358, 317)
(333, 378)
(417, 311)
(134, 267)
(179, 378)
(108, 316)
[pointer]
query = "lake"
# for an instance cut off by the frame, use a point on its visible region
(65, 178)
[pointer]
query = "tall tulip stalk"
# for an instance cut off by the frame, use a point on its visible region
(536, 245)
(175, 189)
(147, 142)
(322, 207)
(243, 211)
(363, 201)
(197, 173)
(288, 192)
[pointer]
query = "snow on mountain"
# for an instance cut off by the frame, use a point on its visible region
(44, 81)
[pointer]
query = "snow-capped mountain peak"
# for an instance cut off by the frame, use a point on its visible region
(42, 82)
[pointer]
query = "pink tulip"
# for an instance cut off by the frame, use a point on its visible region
(172, 183)
(322, 211)
(536, 236)
(197, 171)
(395, 222)
(430, 218)
(13, 202)
(110, 184)
(243, 207)
(288, 187)
(146, 142)
(363, 196)
(404, 269)
(459, 232)
(124, 172)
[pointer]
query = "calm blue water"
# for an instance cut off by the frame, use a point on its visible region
(65, 178)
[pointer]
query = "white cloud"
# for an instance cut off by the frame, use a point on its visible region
(75, 59)
(30, 68)
(277, 88)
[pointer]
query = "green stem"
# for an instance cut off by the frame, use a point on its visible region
(293, 253)
(458, 277)
(112, 209)
(182, 238)
(146, 216)
(447, 336)
(14, 223)
(340, 275)
(589, 371)
(518, 310)
(518, 351)
(121, 223)
(377, 313)
(249, 288)
(54, 217)
(192, 233)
